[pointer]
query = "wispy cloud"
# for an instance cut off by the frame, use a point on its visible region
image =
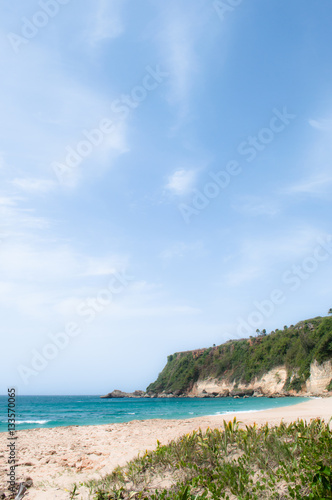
(253, 260)
(108, 23)
(314, 186)
(321, 124)
(41, 275)
(316, 162)
(19, 221)
(181, 182)
(253, 206)
(104, 266)
(181, 249)
(181, 57)
(34, 185)
(48, 119)
(180, 30)
(2, 161)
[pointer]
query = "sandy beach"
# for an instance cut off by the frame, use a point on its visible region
(56, 458)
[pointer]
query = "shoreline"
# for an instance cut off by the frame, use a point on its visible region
(51, 421)
(57, 457)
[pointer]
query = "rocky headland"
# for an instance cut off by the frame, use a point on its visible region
(295, 361)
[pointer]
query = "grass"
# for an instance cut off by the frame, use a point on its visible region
(285, 462)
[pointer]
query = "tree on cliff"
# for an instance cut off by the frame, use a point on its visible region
(330, 311)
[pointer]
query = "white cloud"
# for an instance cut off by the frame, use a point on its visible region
(321, 124)
(38, 277)
(116, 140)
(254, 206)
(181, 182)
(104, 266)
(129, 311)
(107, 23)
(237, 278)
(316, 185)
(2, 161)
(315, 163)
(181, 57)
(50, 118)
(180, 29)
(101, 156)
(38, 270)
(16, 220)
(181, 249)
(34, 185)
(253, 260)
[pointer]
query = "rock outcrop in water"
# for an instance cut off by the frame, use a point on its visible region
(119, 394)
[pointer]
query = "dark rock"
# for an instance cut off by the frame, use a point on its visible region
(177, 393)
(28, 482)
(120, 394)
(139, 394)
(115, 394)
(241, 394)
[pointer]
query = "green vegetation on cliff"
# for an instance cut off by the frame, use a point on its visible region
(296, 347)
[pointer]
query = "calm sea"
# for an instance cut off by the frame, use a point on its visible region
(56, 411)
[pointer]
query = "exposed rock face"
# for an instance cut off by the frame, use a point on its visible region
(320, 377)
(270, 384)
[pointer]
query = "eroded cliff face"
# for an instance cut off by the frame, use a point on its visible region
(270, 383)
(320, 377)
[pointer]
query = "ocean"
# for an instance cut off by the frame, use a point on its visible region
(56, 411)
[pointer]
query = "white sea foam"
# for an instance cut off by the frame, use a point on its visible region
(229, 412)
(41, 422)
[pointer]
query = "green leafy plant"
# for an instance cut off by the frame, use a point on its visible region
(286, 461)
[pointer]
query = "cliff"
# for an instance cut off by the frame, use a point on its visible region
(294, 361)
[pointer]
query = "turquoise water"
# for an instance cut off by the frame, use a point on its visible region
(56, 411)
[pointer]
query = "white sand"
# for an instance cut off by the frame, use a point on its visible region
(57, 458)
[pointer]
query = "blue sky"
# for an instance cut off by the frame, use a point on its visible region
(165, 182)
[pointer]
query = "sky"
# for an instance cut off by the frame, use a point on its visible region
(165, 182)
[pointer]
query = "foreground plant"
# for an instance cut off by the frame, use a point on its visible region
(285, 462)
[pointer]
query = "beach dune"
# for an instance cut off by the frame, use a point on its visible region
(56, 458)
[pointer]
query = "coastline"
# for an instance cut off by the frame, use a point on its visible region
(55, 458)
